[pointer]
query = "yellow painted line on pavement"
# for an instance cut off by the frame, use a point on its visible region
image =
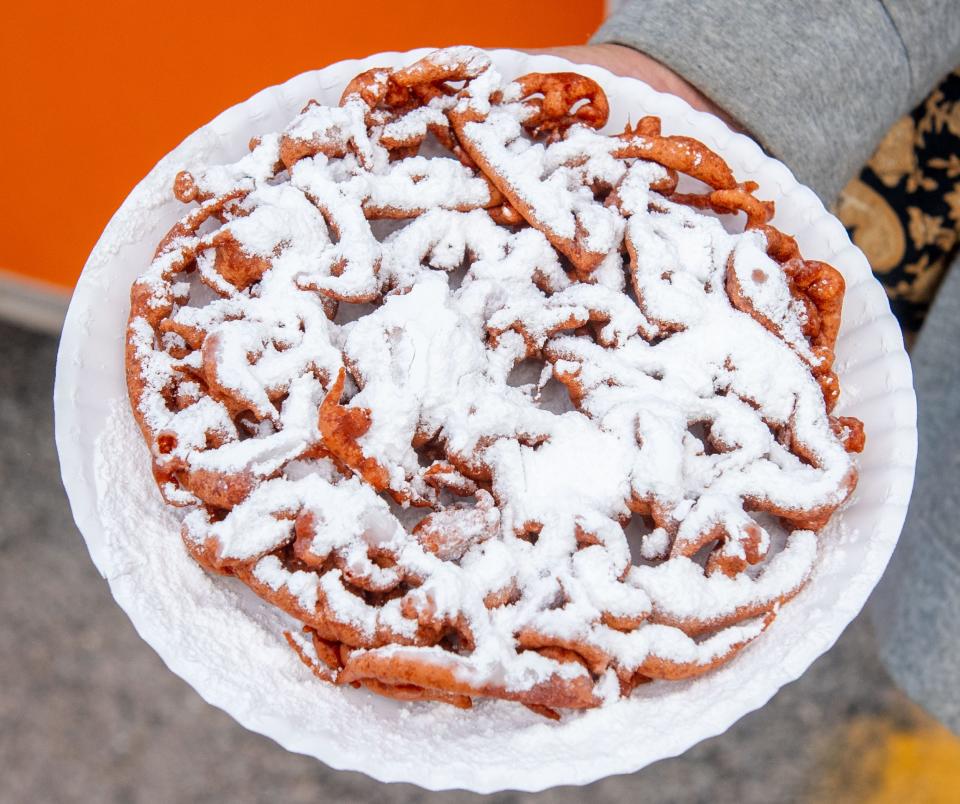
(920, 766)
(884, 760)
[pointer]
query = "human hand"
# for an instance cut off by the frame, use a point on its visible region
(626, 61)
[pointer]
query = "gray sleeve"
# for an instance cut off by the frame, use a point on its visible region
(816, 82)
(916, 607)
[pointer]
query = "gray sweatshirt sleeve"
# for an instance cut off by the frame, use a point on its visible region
(816, 82)
(916, 608)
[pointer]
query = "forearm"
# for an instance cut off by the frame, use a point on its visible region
(816, 83)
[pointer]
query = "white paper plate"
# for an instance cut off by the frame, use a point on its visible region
(227, 644)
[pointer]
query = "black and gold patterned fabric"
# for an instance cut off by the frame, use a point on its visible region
(903, 210)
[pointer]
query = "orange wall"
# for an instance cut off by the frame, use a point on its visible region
(92, 96)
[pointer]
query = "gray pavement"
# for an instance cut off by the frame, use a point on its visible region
(89, 713)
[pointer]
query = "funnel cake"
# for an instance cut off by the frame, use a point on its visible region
(323, 359)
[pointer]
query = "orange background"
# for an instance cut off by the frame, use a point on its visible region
(93, 94)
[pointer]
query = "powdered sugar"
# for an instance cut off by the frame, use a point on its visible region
(763, 283)
(548, 566)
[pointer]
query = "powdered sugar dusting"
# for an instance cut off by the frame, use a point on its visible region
(690, 412)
